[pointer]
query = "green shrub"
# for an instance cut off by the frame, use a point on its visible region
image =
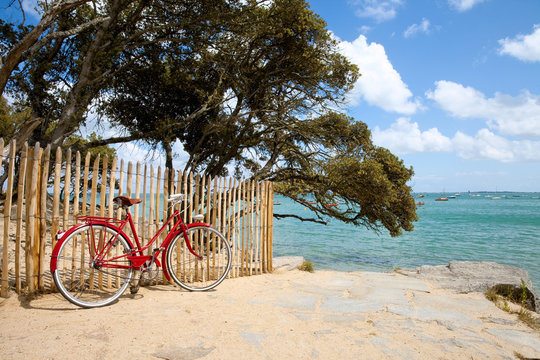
(306, 266)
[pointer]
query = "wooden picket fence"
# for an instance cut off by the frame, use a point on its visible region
(48, 202)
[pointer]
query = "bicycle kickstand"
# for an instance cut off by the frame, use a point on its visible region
(134, 288)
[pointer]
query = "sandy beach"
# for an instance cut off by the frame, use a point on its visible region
(284, 315)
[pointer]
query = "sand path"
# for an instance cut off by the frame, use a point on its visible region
(285, 315)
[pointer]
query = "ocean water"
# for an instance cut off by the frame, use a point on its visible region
(499, 227)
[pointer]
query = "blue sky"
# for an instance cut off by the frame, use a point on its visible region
(450, 86)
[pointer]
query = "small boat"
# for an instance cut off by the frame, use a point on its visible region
(421, 196)
(441, 199)
(421, 203)
(335, 204)
(277, 203)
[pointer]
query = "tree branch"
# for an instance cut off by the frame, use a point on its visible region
(15, 54)
(281, 216)
(113, 140)
(62, 34)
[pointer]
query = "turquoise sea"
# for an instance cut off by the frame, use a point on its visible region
(499, 227)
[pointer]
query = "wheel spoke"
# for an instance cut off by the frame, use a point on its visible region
(195, 274)
(79, 280)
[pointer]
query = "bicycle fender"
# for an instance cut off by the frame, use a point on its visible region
(166, 245)
(56, 250)
(198, 224)
(164, 267)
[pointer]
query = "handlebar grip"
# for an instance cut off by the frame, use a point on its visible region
(176, 197)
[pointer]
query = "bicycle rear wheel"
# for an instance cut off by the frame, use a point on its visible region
(83, 284)
(192, 273)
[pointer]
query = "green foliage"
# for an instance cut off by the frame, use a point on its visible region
(523, 295)
(306, 266)
(344, 167)
(518, 295)
(11, 120)
(492, 295)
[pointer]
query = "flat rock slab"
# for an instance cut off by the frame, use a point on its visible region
(469, 276)
(287, 263)
(455, 318)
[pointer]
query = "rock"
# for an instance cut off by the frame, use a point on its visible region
(469, 276)
(287, 262)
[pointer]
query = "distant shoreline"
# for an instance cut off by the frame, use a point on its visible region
(477, 192)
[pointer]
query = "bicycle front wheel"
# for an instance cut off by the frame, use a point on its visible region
(192, 273)
(76, 276)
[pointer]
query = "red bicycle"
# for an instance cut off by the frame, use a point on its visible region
(94, 262)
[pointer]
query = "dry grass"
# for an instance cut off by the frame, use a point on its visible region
(524, 315)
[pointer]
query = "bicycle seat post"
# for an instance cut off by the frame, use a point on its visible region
(121, 204)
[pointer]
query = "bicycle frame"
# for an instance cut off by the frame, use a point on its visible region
(136, 260)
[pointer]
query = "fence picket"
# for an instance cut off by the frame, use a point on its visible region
(30, 245)
(93, 196)
(42, 216)
(7, 218)
(137, 193)
(112, 184)
(102, 205)
(151, 213)
(143, 222)
(67, 192)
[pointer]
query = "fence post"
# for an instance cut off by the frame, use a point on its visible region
(31, 190)
(55, 225)
(7, 218)
(143, 226)
(20, 197)
(137, 192)
(42, 237)
(67, 192)
(271, 227)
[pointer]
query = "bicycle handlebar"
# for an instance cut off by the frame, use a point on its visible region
(176, 198)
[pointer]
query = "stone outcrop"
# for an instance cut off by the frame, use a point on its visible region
(468, 276)
(287, 263)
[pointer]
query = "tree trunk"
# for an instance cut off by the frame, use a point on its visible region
(80, 95)
(168, 163)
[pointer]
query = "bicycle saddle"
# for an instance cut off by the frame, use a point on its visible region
(125, 201)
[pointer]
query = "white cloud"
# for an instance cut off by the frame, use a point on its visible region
(380, 10)
(380, 84)
(423, 27)
(31, 7)
(511, 115)
(464, 5)
(523, 47)
(364, 29)
(487, 145)
(141, 152)
(406, 137)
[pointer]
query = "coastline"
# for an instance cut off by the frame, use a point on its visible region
(468, 228)
(286, 314)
